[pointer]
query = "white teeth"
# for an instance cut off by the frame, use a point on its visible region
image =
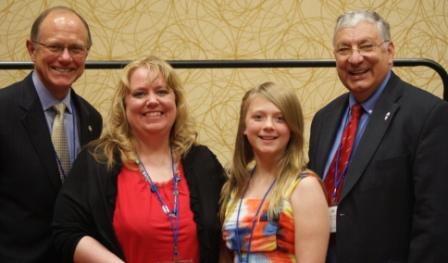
(63, 70)
(267, 137)
(358, 72)
(153, 114)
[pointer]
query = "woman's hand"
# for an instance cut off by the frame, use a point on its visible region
(89, 250)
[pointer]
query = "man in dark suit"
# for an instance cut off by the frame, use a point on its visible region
(387, 189)
(30, 170)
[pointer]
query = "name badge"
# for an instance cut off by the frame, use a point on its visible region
(333, 212)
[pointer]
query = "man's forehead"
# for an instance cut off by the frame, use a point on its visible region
(358, 33)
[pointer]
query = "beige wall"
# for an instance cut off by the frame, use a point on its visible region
(226, 29)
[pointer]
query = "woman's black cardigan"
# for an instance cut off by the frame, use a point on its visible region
(86, 203)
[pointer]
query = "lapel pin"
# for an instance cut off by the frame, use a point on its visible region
(387, 116)
(89, 128)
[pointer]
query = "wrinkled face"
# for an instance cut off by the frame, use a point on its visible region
(266, 129)
(150, 105)
(60, 51)
(362, 58)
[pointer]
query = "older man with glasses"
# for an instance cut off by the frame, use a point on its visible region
(44, 123)
(382, 150)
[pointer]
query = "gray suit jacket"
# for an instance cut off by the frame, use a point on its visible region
(394, 201)
(29, 178)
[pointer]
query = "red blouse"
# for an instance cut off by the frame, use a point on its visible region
(143, 230)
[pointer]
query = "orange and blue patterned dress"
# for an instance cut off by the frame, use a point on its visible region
(272, 240)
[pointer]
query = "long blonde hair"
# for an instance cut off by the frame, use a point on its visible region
(117, 137)
(290, 165)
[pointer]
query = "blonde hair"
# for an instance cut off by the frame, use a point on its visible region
(117, 137)
(292, 161)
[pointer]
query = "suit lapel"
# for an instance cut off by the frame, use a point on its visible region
(86, 127)
(35, 124)
(331, 119)
(382, 116)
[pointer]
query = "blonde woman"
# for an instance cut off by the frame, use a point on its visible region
(145, 191)
(273, 209)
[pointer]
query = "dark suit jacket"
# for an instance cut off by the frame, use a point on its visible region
(29, 178)
(86, 203)
(394, 201)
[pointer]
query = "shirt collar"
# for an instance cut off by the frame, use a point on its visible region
(46, 99)
(369, 104)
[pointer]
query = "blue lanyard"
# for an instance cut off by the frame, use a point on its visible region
(254, 220)
(173, 216)
(338, 177)
(74, 129)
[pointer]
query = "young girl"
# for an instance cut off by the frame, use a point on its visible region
(273, 209)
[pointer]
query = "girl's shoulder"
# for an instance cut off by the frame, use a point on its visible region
(300, 177)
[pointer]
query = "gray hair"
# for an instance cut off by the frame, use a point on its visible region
(352, 18)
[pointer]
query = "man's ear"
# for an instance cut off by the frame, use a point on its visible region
(391, 52)
(31, 49)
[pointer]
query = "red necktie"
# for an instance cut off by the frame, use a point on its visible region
(335, 177)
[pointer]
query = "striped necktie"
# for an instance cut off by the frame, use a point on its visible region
(334, 180)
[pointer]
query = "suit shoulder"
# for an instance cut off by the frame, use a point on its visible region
(334, 104)
(423, 94)
(418, 98)
(89, 109)
(10, 91)
(11, 96)
(87, 104)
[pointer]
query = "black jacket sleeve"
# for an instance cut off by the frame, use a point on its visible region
(84, 207)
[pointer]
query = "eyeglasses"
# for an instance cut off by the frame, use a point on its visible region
(364, 49)
(76, 51)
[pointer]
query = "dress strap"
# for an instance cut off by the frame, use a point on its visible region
(296, 181)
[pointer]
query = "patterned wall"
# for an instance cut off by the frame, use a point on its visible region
(226, 29)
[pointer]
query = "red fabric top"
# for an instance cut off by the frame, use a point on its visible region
(143, 230)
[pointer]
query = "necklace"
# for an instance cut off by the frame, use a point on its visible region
(254, 221)
(172, 215)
